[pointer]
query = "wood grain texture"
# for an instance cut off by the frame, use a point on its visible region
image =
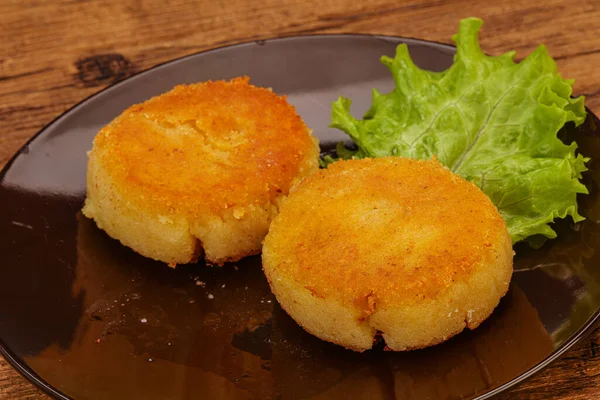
(55, 53)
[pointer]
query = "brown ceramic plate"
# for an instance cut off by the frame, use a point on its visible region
(84, 317)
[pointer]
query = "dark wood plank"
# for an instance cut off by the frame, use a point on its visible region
(14, 386)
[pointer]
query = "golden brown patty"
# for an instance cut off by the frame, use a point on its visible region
(201, 167)
(394, 245)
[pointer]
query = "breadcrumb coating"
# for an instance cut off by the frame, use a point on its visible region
(210, 160)
(395, 245)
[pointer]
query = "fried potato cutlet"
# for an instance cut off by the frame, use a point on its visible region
(391, 246)
(198, 170)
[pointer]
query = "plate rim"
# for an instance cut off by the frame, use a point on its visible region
(23, 368)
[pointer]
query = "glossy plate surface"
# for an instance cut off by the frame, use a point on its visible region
(86, 318)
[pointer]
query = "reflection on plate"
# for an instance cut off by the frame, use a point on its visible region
(85, 317)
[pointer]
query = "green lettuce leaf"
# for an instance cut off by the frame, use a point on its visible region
(488, 119)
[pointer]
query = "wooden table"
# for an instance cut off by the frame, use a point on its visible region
(55, 53)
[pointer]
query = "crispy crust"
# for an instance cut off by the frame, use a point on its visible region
(395, 245)
(202, 166)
